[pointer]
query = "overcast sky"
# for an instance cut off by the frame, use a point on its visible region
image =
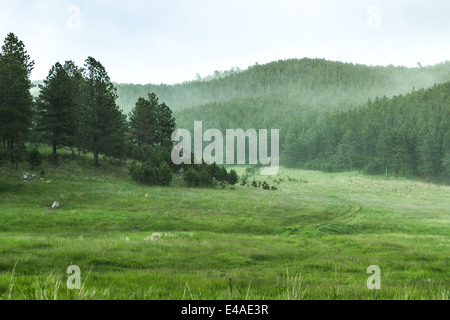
(170, 41)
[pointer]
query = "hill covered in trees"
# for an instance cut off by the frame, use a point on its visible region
(405, 135)
(291, 95)
(316, 83)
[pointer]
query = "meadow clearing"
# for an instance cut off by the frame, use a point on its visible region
(313, 238)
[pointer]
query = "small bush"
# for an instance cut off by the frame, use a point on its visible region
(147, 174)
(251, 171)
(34, 158)
(192, 178)
(206, 179)
(233, 178)
(150, 174)
(215, 171)
(165, 174)
(244, 180)
(223, 176)
(135, 173)
(16, 156)
(374, 167)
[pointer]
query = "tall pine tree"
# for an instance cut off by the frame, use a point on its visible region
(102, 124)
(151, 123)
(15, 98)
(165, 125)
(143, 121)
(56, 107)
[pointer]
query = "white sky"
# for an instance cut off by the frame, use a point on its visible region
(169, 41)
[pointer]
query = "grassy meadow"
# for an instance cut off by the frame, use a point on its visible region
(313, 238)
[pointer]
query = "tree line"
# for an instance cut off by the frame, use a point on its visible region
(316, 83)
(76, 108)
(406, 135)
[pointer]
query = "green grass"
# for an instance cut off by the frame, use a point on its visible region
(311, 239)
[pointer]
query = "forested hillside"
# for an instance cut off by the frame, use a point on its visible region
(405, 135)
(291, 95)
(314, 83)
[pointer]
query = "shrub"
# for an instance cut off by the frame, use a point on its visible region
(244, 180)
(251, 171)
(327, 166)
(374, 167)
(215, 171)
(233, 178)
(223, 177)
(165, 174)
(206, 179)
(150, 174)
(144, 173)
(16, 156)
(135, 173)
(34, 158)
(192, 178)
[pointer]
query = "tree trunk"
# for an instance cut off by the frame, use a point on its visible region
(54, 148)
(387, 171)
(96, 151)
(96, 159)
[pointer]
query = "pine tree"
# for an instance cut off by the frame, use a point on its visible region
(151, 123)
(233, 177)
(56, 108)
(143, 121)
(15, 98)
(34, 158)
(102, 124)
(165, 125)
(347, 147)
(385, 148)
(431, 152)
(446, 151)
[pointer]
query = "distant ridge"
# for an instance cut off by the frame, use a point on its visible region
(295, 78)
